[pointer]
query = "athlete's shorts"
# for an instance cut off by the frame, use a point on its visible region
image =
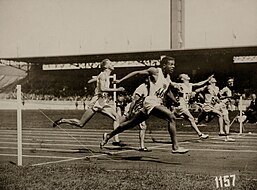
(181, 110)
(217, 108)
(208, 107)
(150, 103)
(98, 103)
(222, 107)
(142, 125)
(136, 109)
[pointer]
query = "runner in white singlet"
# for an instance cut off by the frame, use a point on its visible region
(185, 94)
(99, 100)
(159, 81)
(134, 107)
(214, 106)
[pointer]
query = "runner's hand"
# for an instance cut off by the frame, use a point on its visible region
(210, 77)
(121, 89)
(116, 81)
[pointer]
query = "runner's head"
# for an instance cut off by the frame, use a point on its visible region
(107, 64)
(167, 64)
(213, 81)
(184, 77)
(230, 82)
(253, 96)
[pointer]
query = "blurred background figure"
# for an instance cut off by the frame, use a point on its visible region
(251, 111)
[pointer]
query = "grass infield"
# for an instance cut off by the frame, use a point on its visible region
(91, 176)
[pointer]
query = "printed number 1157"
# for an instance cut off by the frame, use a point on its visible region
(225, 181)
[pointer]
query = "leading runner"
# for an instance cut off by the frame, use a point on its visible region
(159, 82)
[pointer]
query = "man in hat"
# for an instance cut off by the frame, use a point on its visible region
(251, 111)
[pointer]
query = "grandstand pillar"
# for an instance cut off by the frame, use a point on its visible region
(177, 24)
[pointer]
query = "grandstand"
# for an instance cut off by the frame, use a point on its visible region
(72, 81)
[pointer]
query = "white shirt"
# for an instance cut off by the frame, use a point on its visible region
(186, 91)
(159, 87)
(106, 85)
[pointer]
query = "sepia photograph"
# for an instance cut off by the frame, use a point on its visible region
(128, 94)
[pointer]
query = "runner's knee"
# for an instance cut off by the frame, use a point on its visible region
(227, 121)
(191, 119)
(171, 117)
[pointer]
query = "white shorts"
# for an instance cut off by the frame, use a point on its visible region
(217, 108)
(182, 110)
(142, 125)
(98, 103)
(222, 107)
(208, 107)
(151, 102)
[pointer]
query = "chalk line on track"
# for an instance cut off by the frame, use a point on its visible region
(36, 156)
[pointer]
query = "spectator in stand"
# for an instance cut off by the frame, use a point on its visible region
(84, 104)
(251, 111)
(76, 104)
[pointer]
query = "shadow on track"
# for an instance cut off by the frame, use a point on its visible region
(141, 159)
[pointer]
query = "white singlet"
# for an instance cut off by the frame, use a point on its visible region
(156, 92)
(186, 93)
(99, 100)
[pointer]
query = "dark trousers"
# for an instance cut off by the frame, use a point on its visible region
(251, 116)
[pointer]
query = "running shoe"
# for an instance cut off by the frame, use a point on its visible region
(144, 150)
(203, 136)
(57, 122)
(228, 139)
(120, 143)
(180, 150)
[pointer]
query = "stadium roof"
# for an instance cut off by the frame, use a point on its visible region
(249, 50)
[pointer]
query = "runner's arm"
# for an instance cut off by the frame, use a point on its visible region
(94, 79)
(171, 96)
(102, 81)
(134, 73)
(203, 82)
(200, 89)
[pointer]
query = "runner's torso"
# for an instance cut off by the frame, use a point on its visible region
(106, 84)
(185, 93)
(142, 92)
(211, 95)
(160, 86)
